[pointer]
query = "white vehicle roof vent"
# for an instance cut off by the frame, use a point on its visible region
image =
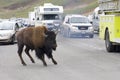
(48, 4)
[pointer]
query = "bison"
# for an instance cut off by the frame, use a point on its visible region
(39, 39)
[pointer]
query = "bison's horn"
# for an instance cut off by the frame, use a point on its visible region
(56, 32)
(45, 35)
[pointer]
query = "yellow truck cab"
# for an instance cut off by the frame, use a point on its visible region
(110, 24)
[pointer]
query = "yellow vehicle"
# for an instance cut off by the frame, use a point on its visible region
(110, 24)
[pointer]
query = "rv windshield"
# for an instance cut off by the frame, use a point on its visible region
(50, 17)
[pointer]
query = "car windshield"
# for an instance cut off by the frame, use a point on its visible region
(6, 26)
(79, 20)
(50, 17)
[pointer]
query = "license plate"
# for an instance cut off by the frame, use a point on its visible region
(83, 32)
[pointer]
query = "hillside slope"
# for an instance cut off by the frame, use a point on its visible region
(20, 8)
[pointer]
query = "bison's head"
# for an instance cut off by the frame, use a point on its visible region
(50, 40)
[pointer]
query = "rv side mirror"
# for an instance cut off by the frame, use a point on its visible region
(96, 17)
(67, 22)
(91, 22)
(38, 18)
(17, 27)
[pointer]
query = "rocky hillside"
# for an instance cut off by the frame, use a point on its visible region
(20, 8)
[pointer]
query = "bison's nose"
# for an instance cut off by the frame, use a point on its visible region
(54, 47)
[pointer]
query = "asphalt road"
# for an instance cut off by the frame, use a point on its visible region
(78, 59)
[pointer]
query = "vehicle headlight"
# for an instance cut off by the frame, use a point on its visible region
(90, 29)
(57, 24)
(5, 35)
(74, 27)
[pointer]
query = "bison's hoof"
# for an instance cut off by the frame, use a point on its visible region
(55, 62)
(33, 61)
(45, 64)
(24, 64)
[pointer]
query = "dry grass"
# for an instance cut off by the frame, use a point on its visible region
(20, 8)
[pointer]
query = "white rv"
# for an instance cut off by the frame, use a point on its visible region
(32, 18)
(49, 15)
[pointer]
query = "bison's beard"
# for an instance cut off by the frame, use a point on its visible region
(54, 48)
(44, 50)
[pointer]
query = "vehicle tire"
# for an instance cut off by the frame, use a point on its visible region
(91, 36)
(12, 40)
(117, 48)
(109, 46)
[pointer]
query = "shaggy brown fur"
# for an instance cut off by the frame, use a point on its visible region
(34, 38)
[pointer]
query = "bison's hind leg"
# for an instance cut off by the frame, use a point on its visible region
(27, 52)
(20, 49)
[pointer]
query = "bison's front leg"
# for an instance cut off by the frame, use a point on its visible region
(43, 60)
(40, 55)
(49, 55)
(54, 61)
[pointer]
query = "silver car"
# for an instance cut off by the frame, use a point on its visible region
(7, 31)
(77, 25)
